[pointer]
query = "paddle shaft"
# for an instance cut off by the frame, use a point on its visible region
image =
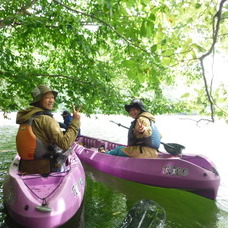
(120, 125)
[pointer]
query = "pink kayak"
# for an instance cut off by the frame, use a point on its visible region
(44, 201)
(192, 173)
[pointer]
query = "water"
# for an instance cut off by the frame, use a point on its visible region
(108, 199)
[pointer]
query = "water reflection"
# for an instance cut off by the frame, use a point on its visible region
(183, 209)
(6, 158)
(103, 207)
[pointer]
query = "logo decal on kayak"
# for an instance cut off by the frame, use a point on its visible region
(174, 170)
(76, 188)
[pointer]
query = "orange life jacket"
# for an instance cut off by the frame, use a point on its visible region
(29, 146)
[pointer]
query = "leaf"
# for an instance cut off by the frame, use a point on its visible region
(154, 48)
(152, 17)
(186, 95)
(198, 5)
(198, 47)
(225, 14)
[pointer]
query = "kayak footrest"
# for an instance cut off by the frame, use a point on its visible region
(44, 209)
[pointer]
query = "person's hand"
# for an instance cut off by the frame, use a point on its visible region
(140, 128)
(76, 114)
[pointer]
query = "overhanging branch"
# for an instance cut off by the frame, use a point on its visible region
(106, 24)
(215, 29)
(22, 10)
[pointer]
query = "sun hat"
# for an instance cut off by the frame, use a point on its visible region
(39, 91)
(135, 103)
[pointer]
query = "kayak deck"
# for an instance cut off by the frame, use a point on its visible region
(44, 201)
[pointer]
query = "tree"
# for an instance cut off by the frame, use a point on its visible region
(102, 53)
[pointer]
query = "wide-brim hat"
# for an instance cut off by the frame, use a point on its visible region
(39, 92)
(136, 103)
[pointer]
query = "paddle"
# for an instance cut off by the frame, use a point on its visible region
(171, 148)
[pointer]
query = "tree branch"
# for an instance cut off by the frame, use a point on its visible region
(104, 23)
(216, 25)
(22, 10)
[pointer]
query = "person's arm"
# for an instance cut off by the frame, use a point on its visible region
(142, 127)
(48, 130)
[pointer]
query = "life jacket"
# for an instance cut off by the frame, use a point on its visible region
(152, 141)
(29, 146)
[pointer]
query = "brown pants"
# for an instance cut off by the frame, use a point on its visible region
(35, 166)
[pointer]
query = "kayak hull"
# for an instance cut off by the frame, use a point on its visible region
(192, 173)
(44, 201)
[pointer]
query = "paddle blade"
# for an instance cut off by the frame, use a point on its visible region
(145, 213)
(173, 148)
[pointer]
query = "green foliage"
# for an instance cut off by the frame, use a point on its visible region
(102, 53)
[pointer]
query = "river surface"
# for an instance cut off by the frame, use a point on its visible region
(108, 199)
